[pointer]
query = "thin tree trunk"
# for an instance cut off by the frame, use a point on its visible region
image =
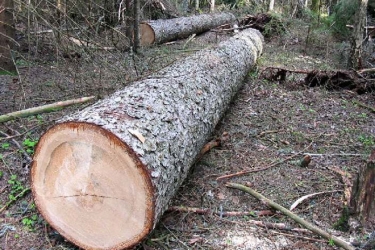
(271, 5)
(212, 6)
(7, 35)
(315, 5)
(355, 60)
(129, 22)
(136, 24)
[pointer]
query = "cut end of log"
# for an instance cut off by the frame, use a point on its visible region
(147, 34)
(91, 187)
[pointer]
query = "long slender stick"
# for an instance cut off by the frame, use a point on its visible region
(43, 109)
(293, 216)
(261, 168)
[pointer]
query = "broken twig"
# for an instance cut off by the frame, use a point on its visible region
(299, 201)
(291, 215)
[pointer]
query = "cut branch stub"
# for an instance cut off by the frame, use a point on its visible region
(103, 176)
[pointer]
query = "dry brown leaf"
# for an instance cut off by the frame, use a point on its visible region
(195, 240)
(220, 196)
(137, 134)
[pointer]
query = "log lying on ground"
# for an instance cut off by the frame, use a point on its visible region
(161, 31)
(102, 177)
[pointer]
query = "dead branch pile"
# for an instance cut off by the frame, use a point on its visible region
(360, 82)
(265, 23)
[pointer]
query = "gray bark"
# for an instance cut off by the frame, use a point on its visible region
(176, 110)
(358, 35)
(136, 24)
(129, 22)
(160, 31)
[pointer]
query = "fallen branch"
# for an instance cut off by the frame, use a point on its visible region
(347, 180)
(220, 213)
(372, 109)
(332, 80)
(342, 154)
(270, 225)
(293, 216)
(263, 168)
(297, 202)
(43, 109)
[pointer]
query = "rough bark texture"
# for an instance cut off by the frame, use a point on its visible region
(6, 36)
(362, 200)
(160, 31)
(358, 35)
(157, 125)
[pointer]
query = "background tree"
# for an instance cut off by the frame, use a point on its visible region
(315, 6)
(129, 22)
(136, 24)
(7, 34)
(271, 5)
(355, 60)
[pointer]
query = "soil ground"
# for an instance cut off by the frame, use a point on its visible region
(269, 123)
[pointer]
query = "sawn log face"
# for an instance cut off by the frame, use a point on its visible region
(174, 111)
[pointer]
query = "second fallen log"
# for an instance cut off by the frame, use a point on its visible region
(165, 30)
(102, 177)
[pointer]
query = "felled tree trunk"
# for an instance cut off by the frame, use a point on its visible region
(362, 200)
(165, 30)
(103, 176)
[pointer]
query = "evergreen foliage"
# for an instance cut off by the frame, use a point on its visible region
(343, 14)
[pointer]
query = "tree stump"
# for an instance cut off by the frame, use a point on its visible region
(165, 30)
(103, 176)
(362, 202)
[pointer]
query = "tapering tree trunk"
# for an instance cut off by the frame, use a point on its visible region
(357, 40)
(7, 35)
(103, 176)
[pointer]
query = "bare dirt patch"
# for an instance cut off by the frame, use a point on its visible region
(267, 123)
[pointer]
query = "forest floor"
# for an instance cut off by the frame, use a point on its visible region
(271, 125)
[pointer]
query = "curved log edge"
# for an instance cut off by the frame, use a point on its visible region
(103, 176)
